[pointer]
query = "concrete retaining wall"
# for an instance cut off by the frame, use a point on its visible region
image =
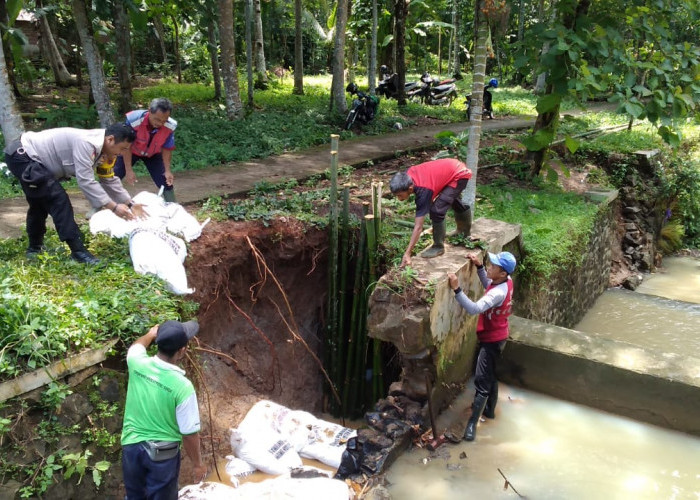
(437, 337)
(659, 388)
(564, 299)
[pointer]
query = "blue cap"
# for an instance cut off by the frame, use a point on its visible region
(505, 260)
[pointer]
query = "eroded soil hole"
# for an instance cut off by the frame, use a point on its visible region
(266, 336)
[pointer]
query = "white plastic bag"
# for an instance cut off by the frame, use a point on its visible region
(207, 491)
(286, 488)
(329, 443)
(265, 450)
(157, 252)
(236, 468)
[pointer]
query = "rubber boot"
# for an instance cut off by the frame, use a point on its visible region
(169, 195)
(464, 222)
(477, 409)
(490, 408)
(438, 247)
(80, 254)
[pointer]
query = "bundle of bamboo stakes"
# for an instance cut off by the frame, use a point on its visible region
(356, 378)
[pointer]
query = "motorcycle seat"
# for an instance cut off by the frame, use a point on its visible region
(442, 88)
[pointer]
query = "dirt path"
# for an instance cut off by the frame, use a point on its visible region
(236, 178)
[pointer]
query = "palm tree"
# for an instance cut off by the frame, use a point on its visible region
(338, 84)
(94, 63)
(10, 119)
(298, 50)
(61, 75)
(122, 36)
(260, 67)
(234, 106)
(481, 29)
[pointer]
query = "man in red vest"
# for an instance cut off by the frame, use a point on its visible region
(437, 185)
(154, 144)
(491, 330)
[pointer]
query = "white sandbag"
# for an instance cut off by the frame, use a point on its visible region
(294, 425)
(266, 450)
(157, 252)
(207, 491)
(286, 488)
(261, 416)
(181, 222)
(109, 223)
(237, 468)
(329, 443)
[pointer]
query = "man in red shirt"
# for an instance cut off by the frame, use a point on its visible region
(437, 185)
(491, 330)
(154, 145)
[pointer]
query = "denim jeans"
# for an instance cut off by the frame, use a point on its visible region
(145, 479)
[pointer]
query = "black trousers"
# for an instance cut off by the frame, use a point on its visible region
(485, 381)
(51, 200)
(448, 197)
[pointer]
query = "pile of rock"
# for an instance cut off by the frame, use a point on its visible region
(638, 244)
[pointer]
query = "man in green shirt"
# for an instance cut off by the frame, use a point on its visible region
(161, 411)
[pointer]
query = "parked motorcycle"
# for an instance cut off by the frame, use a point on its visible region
(487, 110)
(435, 92)
(388, 85)
(364, 106)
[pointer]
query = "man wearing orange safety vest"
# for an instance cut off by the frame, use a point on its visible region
(154, 145)
(493, 309)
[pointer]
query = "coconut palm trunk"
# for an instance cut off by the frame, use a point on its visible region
(94, 64)
(61, 75)
(234, 106)
(212, 46)
(482, 32)
(338, 62)
(10, 119)
(259, 47)
(298, 50)
(122, 36)
(372, 70)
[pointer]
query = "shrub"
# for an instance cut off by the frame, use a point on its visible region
(54, 307)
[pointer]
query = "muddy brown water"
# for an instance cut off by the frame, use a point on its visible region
(552, 449)
(546, 448)
(663, 314)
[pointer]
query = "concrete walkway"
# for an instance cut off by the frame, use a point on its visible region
(241, 177)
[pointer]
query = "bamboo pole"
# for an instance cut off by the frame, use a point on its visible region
(377, 209)
(342, 299)
(351, 381)
(372, 247)
(372, 278)
(361, 335)
(360, 357)
(331, 356)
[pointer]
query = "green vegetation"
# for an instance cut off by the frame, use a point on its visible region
(53, 307)
(98, 449)
(554, 223)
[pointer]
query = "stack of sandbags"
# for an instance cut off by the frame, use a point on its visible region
(291, 433)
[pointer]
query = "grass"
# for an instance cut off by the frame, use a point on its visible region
(554, 223)
(53, 307)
